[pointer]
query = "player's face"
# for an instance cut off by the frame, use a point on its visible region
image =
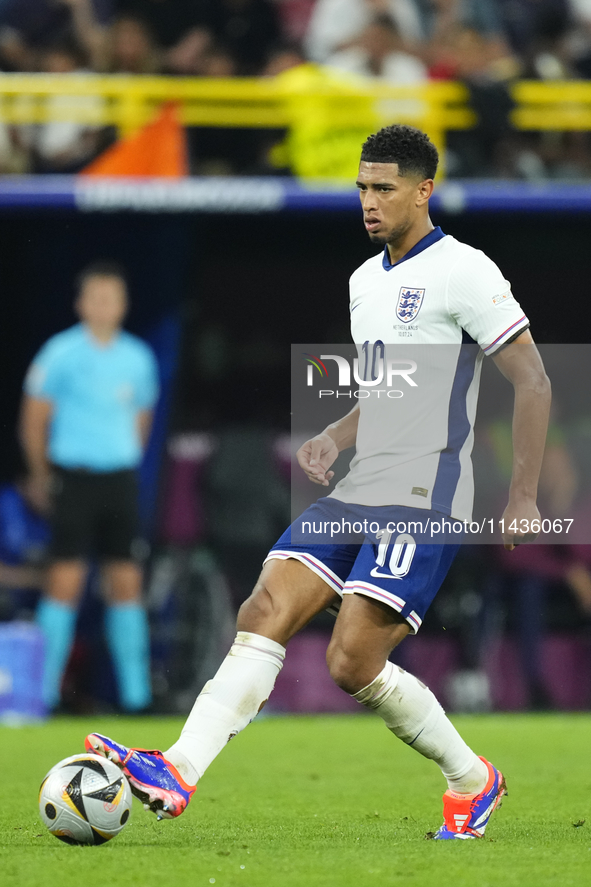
(391, 203)
(103, 302)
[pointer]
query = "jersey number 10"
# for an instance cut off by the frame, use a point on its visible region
(403, 551)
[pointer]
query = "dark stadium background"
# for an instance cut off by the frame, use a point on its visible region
(270, 279)
(221, 297)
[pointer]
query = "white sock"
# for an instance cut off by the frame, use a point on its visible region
(227, 703)
(411, 711)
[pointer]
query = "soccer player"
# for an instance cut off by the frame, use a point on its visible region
(453, 294)
(86, 415)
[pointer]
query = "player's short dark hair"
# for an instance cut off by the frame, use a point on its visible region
(101, 268)
(407, 146)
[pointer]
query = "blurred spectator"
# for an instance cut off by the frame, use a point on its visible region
(283, 58)
(218, 62)
(126, 46)
(530, 24)
(444, 17)
(26, 26)
(190, 55)
(121, 45)
(379, 52)
(15, 53)
(579, 43)
(467, 54)
(336, 24)
(168, 20)
(87, 28)
(211, 37)
(14, 156)
(64, 146)
(465, 40)
(295, 17)
(247, 29)
(130, 47)
(177, 25)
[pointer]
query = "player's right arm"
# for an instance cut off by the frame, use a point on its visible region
(522, 365)
(481, 300)
(34, 434)
(317, 455)
(41, 389)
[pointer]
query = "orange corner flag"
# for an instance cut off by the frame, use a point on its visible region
(158, 149)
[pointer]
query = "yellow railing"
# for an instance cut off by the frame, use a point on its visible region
(559, 106)
(326, 115)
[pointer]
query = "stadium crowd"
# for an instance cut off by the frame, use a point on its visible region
(485, 43)
(401, 40)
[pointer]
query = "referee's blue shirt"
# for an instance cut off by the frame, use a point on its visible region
(96, 392)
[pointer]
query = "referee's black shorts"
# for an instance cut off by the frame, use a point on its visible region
(94, 514)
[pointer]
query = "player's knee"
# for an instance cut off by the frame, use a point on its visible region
(266, 612)
(344, 668)
(257, 610)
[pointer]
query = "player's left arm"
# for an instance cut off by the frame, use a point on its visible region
(144, 426)
(147, 391)
(523, 367)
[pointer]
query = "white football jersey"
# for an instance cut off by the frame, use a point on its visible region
(414, 441)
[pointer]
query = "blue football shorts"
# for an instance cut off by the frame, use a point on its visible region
(377, 552)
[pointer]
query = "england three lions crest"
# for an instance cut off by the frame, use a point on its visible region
(409, 303)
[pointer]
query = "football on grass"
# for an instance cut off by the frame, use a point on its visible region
(85, 799)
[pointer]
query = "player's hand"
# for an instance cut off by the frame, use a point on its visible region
(521, 523)
(579, 579)
(37, 492)
(315, 458)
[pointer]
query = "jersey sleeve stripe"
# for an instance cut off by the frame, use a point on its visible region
(497, 341)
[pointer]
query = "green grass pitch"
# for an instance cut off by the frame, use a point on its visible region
(318, 801)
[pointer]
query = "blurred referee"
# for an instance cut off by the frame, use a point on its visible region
(86, 416)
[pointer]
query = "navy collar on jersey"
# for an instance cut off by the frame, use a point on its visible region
(425, 242)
